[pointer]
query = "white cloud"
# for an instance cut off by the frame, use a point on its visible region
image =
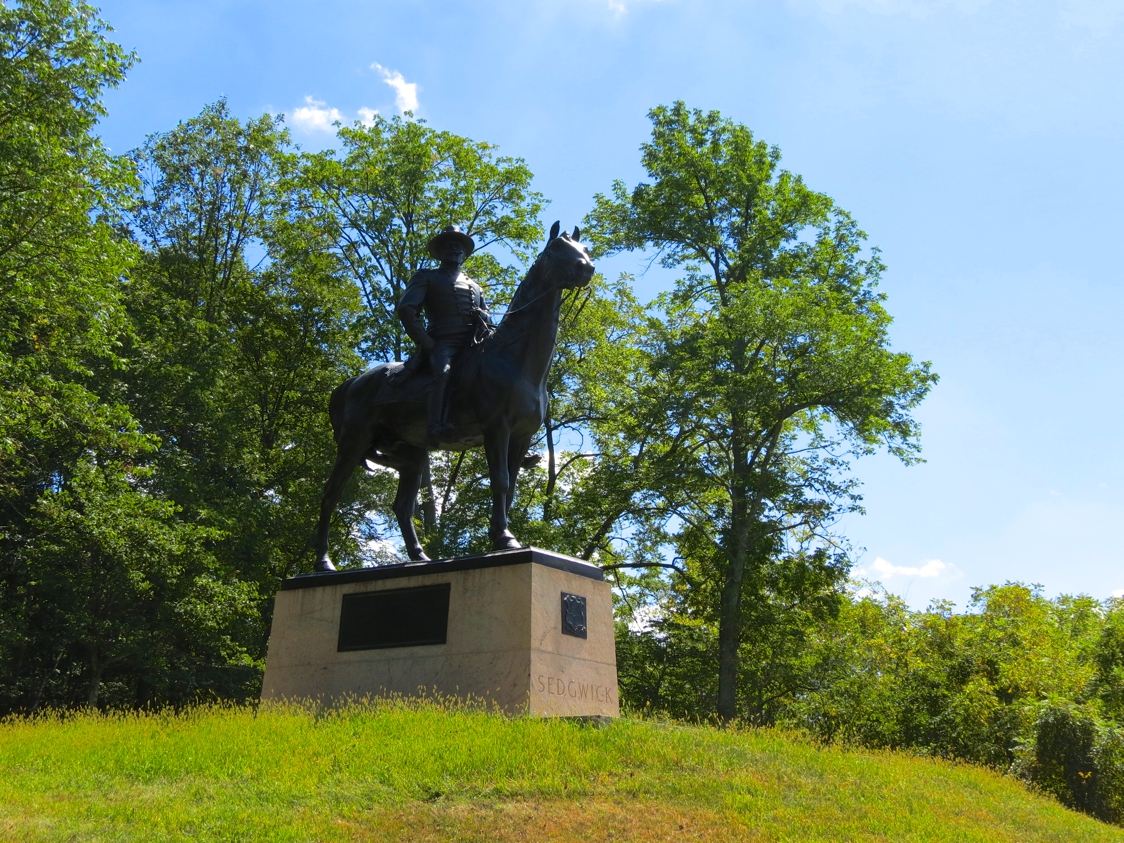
(367, 115)
(315, 116)
(405, 93)
(883, 570)
(1118, 593)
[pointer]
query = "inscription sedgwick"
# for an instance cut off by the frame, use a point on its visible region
(557, 686)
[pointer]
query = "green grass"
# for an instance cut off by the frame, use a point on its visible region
(418, 772)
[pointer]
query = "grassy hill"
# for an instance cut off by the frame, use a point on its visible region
(420, 773)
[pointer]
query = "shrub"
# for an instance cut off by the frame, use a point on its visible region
(1078, 758)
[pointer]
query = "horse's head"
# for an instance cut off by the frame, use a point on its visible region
(565, 261)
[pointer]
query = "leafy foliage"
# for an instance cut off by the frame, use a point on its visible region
(61, 321)
(1109, 660)
(1012, 683)
(60, 260)
(116, 575)
(243, 325)
(233, 361)
(1078, 758)
(769, 365)
(161, 433)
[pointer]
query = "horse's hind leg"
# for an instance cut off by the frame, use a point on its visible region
(348, 453)
(410, 467)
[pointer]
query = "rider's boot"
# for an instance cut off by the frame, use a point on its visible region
(435, 411)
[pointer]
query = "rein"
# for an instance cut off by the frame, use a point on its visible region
(509, 312)
(511, 340)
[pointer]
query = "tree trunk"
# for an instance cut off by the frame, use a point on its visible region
(729, 636)
(730, 608)
(46, 680)
(450, 485)
(96, 668)
(730, 620)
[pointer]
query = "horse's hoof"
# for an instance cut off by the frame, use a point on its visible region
(505, 542)
(324, 565)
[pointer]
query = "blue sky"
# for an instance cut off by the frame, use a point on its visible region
(978, 142)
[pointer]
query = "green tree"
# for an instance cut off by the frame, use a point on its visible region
(244, 323)
(965, 686)
(60, 261)
(1108, 657)
(771, 364)
(116, 575)
(1015, 683)
(61, 321)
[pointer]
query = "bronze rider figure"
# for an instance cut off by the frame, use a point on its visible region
(456, 317)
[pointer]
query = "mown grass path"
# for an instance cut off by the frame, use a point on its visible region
(420, 773)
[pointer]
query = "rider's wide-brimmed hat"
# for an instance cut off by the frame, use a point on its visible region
(451, 232)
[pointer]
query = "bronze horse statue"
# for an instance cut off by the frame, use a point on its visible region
(498, 400)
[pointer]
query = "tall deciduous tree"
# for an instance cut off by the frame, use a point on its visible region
(571, 501)
(99, 582)
(60, 314)
(244, 323)
(771, 362)
(60, 262)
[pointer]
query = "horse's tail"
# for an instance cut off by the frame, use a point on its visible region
(336, 406)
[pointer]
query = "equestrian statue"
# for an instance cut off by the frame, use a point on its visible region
(469, 383)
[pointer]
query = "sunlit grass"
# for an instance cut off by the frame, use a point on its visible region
(426, 771)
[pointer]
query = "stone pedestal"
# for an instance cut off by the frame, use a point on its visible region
(527, 630)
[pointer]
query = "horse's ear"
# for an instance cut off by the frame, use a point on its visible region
(554, 230)
(576, 236)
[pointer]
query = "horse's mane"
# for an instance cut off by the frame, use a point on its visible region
(526, 294)
(527, 291)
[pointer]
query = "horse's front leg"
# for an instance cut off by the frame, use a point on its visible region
(410, 469)
(497, 442)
